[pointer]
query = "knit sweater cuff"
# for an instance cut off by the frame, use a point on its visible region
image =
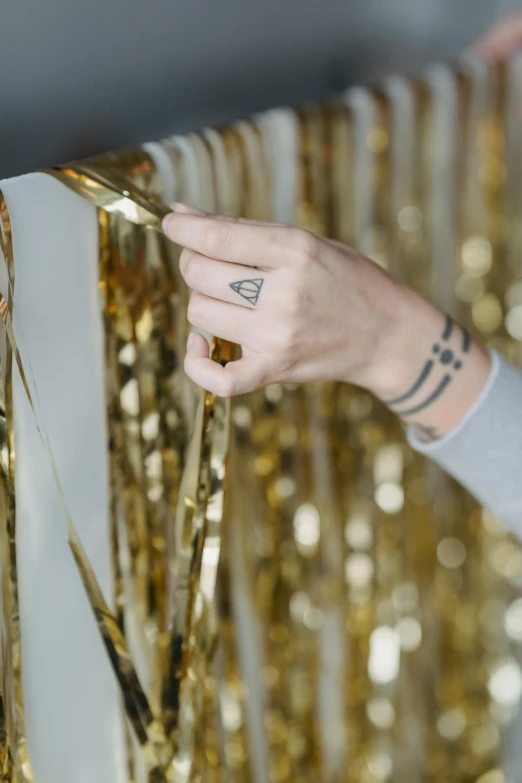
(484, 451)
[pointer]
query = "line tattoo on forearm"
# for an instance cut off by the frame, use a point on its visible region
(426, 370)
(432, 397)
(448, 328)
(428, 367)
(466, 340)
(443, 356)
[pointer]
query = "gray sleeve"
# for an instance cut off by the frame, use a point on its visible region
(484, 452)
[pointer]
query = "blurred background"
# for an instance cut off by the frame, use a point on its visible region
(78, 79)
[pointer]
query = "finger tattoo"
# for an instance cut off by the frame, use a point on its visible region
(249, 289)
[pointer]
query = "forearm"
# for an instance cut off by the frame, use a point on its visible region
(484, 451)
(462, 405)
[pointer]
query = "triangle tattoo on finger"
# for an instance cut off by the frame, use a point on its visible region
(248, 289)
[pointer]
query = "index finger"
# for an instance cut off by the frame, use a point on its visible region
(239, 243)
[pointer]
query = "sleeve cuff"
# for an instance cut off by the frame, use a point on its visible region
(484, 451)
(432, 447)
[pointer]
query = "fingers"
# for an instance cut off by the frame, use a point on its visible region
(502, 40)
(240, 285)
(238, 377)
(236, 324)
(249, 244)
(185, 209)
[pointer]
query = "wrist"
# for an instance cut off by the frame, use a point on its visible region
(406, 340)
(430, 371)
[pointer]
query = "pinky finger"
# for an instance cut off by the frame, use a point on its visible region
(239, 377)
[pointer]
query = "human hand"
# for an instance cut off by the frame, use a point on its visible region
(302, 308)
(306, 309)
(501, 41)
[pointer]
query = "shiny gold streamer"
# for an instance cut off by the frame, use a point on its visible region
(15, 762)
(384, 601)
(191, 519)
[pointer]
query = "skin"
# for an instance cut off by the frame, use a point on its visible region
(502, 40)
(314, 310)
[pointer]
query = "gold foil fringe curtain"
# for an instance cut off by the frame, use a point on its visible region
(338, 609)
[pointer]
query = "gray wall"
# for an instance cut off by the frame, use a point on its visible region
(81, 77)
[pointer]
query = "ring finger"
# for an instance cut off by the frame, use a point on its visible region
(233, 283)
(236, 324)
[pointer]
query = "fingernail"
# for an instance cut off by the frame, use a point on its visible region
(186, 209)
(165, 223)
(190, 340)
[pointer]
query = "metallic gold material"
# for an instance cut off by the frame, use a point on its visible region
(155, 736)
(14, 762)
(332, 607)
(112, 193)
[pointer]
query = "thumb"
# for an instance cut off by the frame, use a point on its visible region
(238, 377)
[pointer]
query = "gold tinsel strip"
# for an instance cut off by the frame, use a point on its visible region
(347, 543)
(159, 746)
(16, 767)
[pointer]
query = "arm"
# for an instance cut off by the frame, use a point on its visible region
(307, 309)
(484, 451)
(501, 40)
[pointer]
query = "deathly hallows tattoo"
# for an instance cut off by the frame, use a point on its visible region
(248, 289)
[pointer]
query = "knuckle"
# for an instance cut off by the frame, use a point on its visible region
(305, 246)
(195, 310)
(228, 386)
(194, 271)
(294, 301)
(287, 336)
(216, 238)
(184, 262)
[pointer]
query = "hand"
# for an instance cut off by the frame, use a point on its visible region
(302, 308)
(504, 39)
(307, 309)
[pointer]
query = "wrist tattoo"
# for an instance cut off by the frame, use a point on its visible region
(429, 386)
(248, 289)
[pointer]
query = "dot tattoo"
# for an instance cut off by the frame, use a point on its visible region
(248, 289)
